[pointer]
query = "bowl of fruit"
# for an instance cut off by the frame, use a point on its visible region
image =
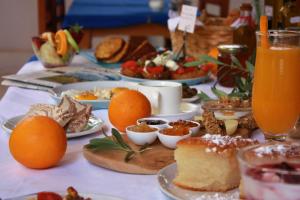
(56, 49)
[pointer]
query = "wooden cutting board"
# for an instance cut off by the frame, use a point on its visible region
(149, 162)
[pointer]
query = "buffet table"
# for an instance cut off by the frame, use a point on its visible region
(74, 170)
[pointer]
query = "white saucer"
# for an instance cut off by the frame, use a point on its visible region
(191, 99)
(165, 180)
(94, 125)
(188, 111)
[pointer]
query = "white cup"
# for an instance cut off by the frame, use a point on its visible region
(164, 96)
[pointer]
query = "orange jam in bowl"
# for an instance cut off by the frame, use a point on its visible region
(176, 131)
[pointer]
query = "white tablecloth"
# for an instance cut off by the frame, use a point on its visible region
(73, 170)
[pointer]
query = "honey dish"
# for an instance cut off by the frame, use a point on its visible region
(154, 122)
(192, 125)
(141, 134)
(170, 136)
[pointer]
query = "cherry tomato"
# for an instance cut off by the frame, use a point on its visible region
(189, 59)
(207, 67)
(155, 70)
(48, 196)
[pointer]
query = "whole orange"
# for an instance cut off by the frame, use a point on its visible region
(126, 107)
(38, 142)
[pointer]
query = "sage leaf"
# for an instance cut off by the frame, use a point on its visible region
(249, 67)
(218, 93)
(129, 156)
(204, 97)
(119, 139)
(103, 144)
(144, 148)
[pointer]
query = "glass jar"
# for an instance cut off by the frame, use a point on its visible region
(244, 28)
(226, 74)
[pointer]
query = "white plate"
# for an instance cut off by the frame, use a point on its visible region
(188, 111)
(97, 104)
(85, 195)
(165, 179)
(94, 125)
(192, 81)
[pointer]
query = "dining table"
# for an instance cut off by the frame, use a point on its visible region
(73, 170)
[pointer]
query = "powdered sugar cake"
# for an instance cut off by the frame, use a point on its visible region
(209, 163)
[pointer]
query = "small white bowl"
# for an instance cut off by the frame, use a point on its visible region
(141, 138)
(170, 141)
(195, 129)
(159, 126)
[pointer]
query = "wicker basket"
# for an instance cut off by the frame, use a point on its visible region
(204, 38)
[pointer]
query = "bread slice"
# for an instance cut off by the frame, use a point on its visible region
(209, 163)
(144, 48)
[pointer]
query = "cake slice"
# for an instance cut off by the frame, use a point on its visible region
(209, 163)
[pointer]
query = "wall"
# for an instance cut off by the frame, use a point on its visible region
(18, 22)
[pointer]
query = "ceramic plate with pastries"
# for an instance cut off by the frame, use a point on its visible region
(96, 93)
(75, 117)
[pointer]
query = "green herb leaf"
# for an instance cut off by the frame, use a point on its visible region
(218, 93)
(144, 147)
(119, 139)
(103, 144)
(204, 97)
(129, 156)
(250, 67)
(194, 63)
(210, 59)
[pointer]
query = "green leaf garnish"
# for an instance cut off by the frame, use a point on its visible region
(119, 138)
(115, 142)
(218, 93)
(204, 97)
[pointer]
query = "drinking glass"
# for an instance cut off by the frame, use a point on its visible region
(276, 86)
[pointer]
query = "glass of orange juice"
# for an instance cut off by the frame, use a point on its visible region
(276, 86)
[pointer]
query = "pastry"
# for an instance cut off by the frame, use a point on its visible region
(109, 47)
(118, 56)
(70, 114)
(209, 163)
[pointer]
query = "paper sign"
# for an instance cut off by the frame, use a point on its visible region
(188, 18)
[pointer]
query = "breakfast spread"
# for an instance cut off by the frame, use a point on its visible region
(209, 163)
(56, 49)
(70, 114)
